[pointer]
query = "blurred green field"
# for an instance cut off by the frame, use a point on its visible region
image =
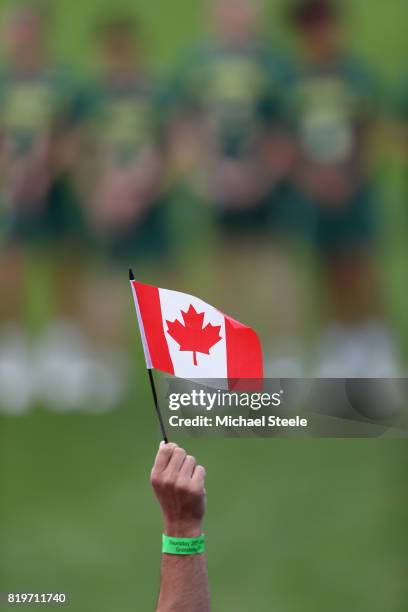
(294, 525)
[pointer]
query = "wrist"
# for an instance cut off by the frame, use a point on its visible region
(182, 529)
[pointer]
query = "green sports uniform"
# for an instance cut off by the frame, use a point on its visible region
(400, 110)
(123, 122)
(400, 103)
(239, 90)
(35, 111)
(329, 111)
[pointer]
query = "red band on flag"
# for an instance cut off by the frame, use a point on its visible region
(244, 353)
(150, 309)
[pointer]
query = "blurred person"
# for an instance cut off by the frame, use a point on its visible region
(38, 212)
(333, 111)
(38, 109)
(400, 133)
(121, 174)
(179, 485)
(125, 208)
(229, 139)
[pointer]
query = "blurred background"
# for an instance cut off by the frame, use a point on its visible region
(253, 154)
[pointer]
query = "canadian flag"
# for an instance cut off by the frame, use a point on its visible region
(185, 337)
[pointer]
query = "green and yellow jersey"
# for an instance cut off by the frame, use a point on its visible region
(238, 89)
(35, 111)
(34, 107)
(123, 127)
(123, 119)
(329, 110)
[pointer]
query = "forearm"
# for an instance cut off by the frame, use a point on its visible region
(184, 584)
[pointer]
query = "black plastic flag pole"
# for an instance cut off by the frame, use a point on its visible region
(153, 388)
(156, 404)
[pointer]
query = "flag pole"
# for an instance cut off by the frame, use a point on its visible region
(153, 388)
(156, 405)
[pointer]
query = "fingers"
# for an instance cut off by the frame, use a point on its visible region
(163, 457)
(178, 483)
(188, 467)
(176, 461)
(198, 476)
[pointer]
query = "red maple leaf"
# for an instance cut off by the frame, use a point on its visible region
(192, 336)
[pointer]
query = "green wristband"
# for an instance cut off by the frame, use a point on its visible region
(183, 546)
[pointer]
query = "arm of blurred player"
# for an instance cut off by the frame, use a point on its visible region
(178, 483)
